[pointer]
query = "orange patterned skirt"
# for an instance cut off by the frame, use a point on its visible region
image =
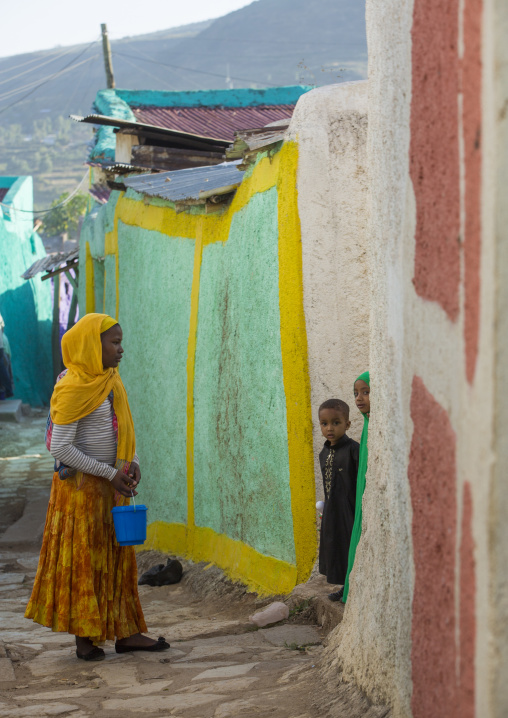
(86, 584)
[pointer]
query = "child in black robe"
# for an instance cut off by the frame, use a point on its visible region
(339, 466)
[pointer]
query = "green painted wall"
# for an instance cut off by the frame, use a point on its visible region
(97, 223)
(241, 474)
(110, 285)
(241, 464)
(26, 306)
(155, 289)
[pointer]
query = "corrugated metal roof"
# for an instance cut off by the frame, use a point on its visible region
(213, 121)
(100, 193)
(50, 262)
(249, 142)
(179, 137)
(190, 184)
(121, 168)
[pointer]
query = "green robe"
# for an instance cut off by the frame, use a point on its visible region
(360, 488)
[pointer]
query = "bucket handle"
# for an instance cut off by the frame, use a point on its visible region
(134, 500)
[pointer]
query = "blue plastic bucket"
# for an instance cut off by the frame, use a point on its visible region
(130, 524)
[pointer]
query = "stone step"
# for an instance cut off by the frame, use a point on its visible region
(29, 528)
(313, 595)
(10, 410)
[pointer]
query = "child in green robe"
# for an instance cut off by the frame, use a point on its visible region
(362, 399)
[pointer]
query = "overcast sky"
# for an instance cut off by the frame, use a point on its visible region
(30, 25)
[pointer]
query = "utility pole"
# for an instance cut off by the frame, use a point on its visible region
(106, 51)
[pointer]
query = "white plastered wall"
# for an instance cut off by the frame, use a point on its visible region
(410, 336)
(371, 646)
(330, 126)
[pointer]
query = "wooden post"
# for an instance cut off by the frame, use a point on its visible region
(106, 51)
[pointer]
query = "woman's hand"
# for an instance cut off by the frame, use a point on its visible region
(124, 484)
(135, 473)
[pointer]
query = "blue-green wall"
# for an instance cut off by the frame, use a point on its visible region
(241, 465)
(241, 462)
(155, 290)
(118, 103)
(97, 224)
(200, 308)
(26, 306)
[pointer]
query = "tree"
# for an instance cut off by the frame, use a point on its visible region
(16, 165)
(15, 135)
(63, 129)
(23, 167)
(65, 218)
(46, 165)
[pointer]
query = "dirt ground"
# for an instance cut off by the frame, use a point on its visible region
(219, 664)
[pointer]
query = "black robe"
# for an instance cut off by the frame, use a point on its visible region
(339, 481)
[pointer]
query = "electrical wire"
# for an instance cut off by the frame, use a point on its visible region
(299, 50)
(190, 69)
(84, 94)
(24, 64)
(230, 57)
(70, 99)
(240, 40)
(149, 74)
(66, 68)
(32, 69)
(178, 75)
(45, 211)
(52, 77)
(11, 93)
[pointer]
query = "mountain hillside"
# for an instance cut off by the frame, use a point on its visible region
(73, 74)
(269, 42)
(282, 42)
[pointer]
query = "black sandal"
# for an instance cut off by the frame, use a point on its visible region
(160, 645)
(337, 595)
(96, 654)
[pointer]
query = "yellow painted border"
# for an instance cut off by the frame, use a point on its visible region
(111, 247)
(295, 366)
(191, 363)
(263, 574)
(89, 284)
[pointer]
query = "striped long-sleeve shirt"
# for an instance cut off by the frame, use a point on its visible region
(88, 445)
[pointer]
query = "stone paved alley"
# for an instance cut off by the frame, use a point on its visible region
(218, 665)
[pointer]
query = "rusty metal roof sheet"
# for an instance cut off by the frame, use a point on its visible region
(196, 183)
(100, 193)
(180, 138)
(212, 121)
(248, 143)
(51, 262)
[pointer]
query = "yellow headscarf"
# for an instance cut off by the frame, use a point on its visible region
(87, 384)
(107, 323)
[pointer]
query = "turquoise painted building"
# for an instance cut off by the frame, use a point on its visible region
(209, 113)
(26, 305)
(211, 306)
(210, 299)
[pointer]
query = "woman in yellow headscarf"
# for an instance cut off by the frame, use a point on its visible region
(86, 584)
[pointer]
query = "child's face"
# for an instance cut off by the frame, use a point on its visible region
(362, 396)
(333, 425)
